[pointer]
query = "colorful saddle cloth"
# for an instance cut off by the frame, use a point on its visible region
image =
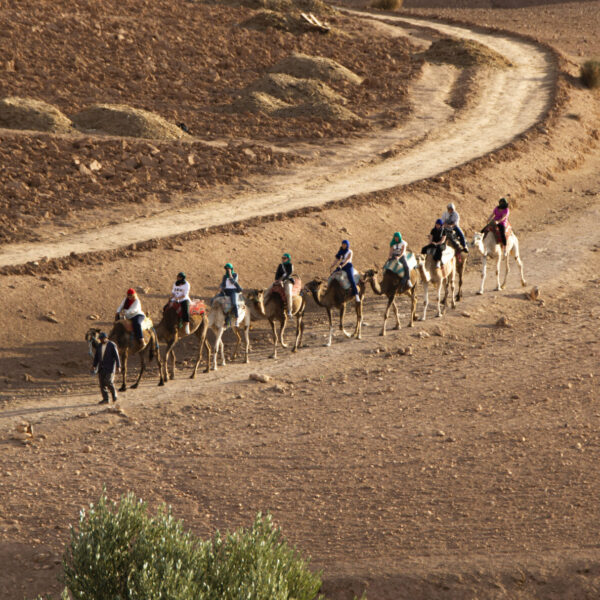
(491, 226)
(395, 266)
(278, 288)
(197, 307)
(343, 278)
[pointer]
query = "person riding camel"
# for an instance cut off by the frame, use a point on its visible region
(437, 242)
(398, 248)
(181, 294)
(500, 217)
(131, 308)
(231, 288)
(451, 220)
(343, 262)
(283, 276)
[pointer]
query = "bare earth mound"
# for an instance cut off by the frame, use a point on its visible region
(327, 111)
(292, 89)
(258, 103)
(464, 53)
(270, 19)
(27, 113)
(314, 6)
(316, 67)
(119, 119)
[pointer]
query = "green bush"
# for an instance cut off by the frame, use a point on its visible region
(590, 73)
(387, 4)
(120, 552)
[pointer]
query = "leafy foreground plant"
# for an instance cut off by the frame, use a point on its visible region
(590, 73)
(120, 552)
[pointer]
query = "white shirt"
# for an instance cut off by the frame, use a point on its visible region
(179, 293)
(451, 218)
(134, 310)
(346, 257)
(229, 284)
(102, 349)
(399, 249)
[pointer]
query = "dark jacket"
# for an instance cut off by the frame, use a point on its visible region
(284, 271)
(234, 280)
(110, 360)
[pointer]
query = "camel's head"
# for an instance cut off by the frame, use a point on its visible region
(255, 296)
(370, 274)
(314, 285)
(478, 242)
(91, 337)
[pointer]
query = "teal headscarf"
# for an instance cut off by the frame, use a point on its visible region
(229, 266)
(287, 256)
(396, 235)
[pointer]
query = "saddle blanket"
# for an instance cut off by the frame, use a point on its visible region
(197, 307)
(278, 288)
(447, 254)
(343, 278)
(494, 229)
(227, 307)
(146, 324)
(395, 266)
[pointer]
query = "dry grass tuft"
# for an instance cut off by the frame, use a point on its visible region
(387, 4)
(590, 73)
(34, 115)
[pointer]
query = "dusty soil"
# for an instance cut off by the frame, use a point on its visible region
(456, 459)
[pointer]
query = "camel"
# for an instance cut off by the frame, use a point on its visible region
(217, 321)
(443, 275)
(488, 246)
(273, 309)
(461, 261)
(126, 345)
(335, 296)
(390, 285)
(170, 332)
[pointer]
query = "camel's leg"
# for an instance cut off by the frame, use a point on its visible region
(359, 319)
(218, 346)
(506, 270)
(201, 343)
(342, 315)
(275, 337)
(452, 284)
(483, 273)
(281, 330)
(439, 297)
(299, 331)
(498, 265)
(519, 262)
(170, 355)
(413, 305)
(446, 283)
(425, 299)
(387, 312)
(237, 343)
(208, 355)
(460, 271)
(330, 327)
(397, 312)
(124, 371)
(142, 368)
(247, 345)
(154, 340)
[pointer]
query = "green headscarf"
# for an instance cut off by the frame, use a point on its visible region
(287, 256)
(396, 235)
(229, 266)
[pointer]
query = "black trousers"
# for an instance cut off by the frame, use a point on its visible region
(185, 311)
(137, 326)
(437, 253)
(107, 384)
(502, 230)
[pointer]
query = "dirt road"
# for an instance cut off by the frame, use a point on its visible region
(491, 121)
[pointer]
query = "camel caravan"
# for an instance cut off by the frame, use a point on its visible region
(441, 264)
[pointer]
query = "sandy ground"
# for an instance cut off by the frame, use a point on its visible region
(455, 459)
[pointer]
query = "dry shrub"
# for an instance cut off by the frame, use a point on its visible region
(387, 4)
(292, 89)
(35, 115)
(123, 120)
(464, 53)
(257, 103)
(590, 73)
(269, 19)
(304, 66)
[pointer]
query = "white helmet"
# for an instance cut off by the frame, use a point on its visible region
(450, 206)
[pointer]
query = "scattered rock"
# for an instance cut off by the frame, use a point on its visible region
(503, 322)
(440, 433)
(86, 449)
(464, 313)
(50, 319)
(93, 317)
(95, 166)
(437, 330)
(408, 351)
(260, 377)
(422, 334)
(533, 294)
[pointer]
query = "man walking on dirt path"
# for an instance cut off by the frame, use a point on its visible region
(106, 360)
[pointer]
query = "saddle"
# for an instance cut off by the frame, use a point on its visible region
(227, 307)
(343, 278)
(146, 324)
(447, 254)
(491, 226)
(278, 288)
(395, 266)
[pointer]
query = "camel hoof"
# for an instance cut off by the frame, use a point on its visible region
(411, 324)
(480, 293)
(273, 356)
(123, 388)
(134, 386)
(161, 383)
(382, 333)
(327, 344)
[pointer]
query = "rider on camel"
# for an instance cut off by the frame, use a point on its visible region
(500, 217)
(283, 276)
(451, 220)
(437, 243)
(181, 294)
(398, 248)
(131, 307)
(343, 262)
(231, 288)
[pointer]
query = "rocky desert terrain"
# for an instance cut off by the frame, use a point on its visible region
(454, 459)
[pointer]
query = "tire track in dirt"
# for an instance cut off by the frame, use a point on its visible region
(492, 121)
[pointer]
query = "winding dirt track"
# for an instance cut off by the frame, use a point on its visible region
(510, 101)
